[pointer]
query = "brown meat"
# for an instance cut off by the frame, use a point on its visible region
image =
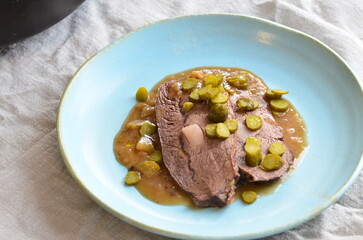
(268, 133)
(204, 168)
(208, 169)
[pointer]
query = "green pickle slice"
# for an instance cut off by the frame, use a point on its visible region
(219, 77)
(253, 151)
(211, 80)
(194, 96)
(249, 197)
(277, 148)
(148, 168)
(229, 88)
(253, 122)
(145, 144)
(239, 81)
(247, 104)
(210, 130)
(279, 91)
(187, 106)
(221, 89)
(232, 125)
(204, 92)
(136, 124)
(142, 94)
(279, 105)
(156, 156)
(189, 84)
(277, 113)
(218, 113)
(132, 177)
(222, 131)
(272, 162)
(220, 98)
(213, 93)
(275, 93)
(147, 128)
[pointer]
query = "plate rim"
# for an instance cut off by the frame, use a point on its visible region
(268, 232)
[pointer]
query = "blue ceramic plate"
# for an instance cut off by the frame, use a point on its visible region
(322, 87)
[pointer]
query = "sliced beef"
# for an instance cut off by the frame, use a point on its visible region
(204, 168)
(208, 169)
(268, 133)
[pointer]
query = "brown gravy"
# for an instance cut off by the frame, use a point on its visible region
(161, 188)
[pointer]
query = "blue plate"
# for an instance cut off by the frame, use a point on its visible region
(322, 87)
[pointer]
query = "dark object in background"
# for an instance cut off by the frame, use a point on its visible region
(20, 19)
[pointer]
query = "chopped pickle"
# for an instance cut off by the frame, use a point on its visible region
(132, 177)
(147, 111)
(249, 196)
(239, 81)
(213, 93)
(271, 95)
(221, 88)
(222, 131)
(253, 122)
(253, 151)
(220, 98)
(279, 91)
(142, 94)
(147, 128)
(275, 93)
(229, 89)
(204, 92)
(210, 130)
(194, 96)
(272, 162)
(218, 113)
(247, 104)
(149, 168)
(187, 106)
(136, 124)
(189, 83)
(232, 125)
(219, 77)
(145, 144)
(279, 105)
(277, 113)
(277, 148)
(211, 80)
(156, 156)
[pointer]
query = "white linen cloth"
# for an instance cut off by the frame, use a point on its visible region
(38, 197)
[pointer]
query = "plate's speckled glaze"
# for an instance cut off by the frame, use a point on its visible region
(322, 88)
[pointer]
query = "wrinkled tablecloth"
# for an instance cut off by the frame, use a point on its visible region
(38, 197)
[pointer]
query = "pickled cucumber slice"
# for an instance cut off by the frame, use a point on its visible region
(272, 162)
(280, 105)
(249, 196)
(222, 131)
(253, 122)
(277, 148)
(253, 151)
(132, 177)
(232, 125)
(148, 168)
(142, 94)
